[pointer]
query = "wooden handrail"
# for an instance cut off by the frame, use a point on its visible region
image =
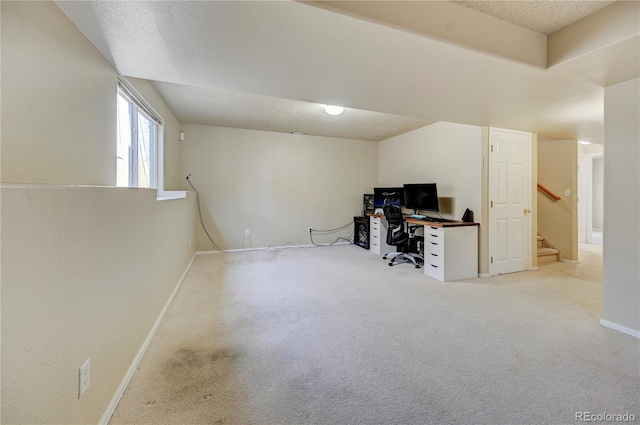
(548, 192)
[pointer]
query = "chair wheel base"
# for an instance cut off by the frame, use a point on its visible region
(391, 264)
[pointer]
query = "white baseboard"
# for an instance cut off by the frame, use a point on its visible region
(484, 275)
(111, 407)
(534, 268)
(620, 328)
(271, 247)
(569, 261)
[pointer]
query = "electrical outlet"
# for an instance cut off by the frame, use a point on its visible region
(309, 229)
(85, 378)
(246, 232)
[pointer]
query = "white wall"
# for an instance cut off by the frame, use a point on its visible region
(56, 89)
(444, 153)
(621, 274)
(85, 271)
(598, 193)
(275, 184)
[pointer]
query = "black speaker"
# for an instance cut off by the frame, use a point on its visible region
(367, 204)
(468, 216)
(361, 231)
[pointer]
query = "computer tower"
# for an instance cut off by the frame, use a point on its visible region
(361, 231)
(367, 204)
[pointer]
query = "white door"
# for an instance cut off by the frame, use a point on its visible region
(509, 201)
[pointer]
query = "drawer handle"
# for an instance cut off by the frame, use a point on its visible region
(434, 228)
(374, 236)
(435, 236)
(435, 255)
(433, 266)
(433, 243)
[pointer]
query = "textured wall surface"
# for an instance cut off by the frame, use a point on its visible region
(621, 274)
(58, 100)
(85, 274)
(444, 153)
(275, 184)
(85, 270)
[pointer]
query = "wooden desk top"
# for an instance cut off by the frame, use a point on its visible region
(430, 223)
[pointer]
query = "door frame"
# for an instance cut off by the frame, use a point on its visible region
(585, 198)
(585, 188)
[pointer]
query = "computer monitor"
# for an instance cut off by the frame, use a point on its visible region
(388, 196)
(422, 196)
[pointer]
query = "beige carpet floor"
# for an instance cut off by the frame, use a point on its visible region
(335, 336)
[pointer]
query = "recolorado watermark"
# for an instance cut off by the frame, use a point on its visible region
(605, 417)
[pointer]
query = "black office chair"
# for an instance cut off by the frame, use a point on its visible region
(398, 237)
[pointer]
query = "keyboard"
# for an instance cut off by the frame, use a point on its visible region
(439, 220)
(431, 219)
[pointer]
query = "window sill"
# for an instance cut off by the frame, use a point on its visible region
(171, 195)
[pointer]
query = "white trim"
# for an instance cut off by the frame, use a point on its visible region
(620, 328)
(269, 248)
(484, 275)
(533, 269)
(111, 407)
(167, 195)
(132, 95)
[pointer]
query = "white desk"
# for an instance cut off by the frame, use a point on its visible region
(451, 253)
(450, 249)
(378, 236)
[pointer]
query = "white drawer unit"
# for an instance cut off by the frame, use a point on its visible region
(451, 253)
(378, 236)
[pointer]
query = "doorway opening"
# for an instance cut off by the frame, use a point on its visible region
(590, 194)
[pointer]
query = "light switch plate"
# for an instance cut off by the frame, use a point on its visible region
(85, 375)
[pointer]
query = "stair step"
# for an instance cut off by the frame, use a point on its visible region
(547, 255)
(540, 239)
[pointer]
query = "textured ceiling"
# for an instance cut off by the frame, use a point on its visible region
(204, 105)
(545, 17)
(271, 65)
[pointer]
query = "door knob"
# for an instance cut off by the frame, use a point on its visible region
(526, 211)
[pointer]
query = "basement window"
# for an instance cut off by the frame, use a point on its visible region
(137, 144)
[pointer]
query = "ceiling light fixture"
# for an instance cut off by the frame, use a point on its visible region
(333, 110)
(582, 142)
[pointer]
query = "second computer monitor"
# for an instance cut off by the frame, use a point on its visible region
(388, 196)
(422, 196)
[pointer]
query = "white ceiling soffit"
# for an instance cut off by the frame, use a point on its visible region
(266, 56)
(451, 22)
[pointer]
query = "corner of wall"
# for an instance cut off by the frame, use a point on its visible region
(483, 236)
(534, 200)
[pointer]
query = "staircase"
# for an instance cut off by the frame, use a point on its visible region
(547, 253)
